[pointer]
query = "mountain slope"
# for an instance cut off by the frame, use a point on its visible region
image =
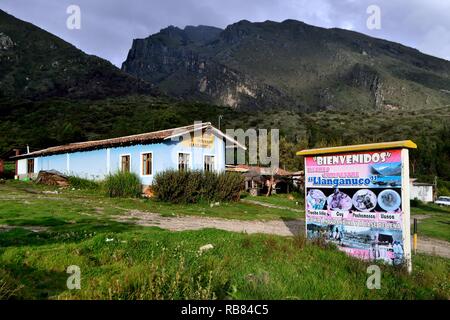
(35, 64)
(267, 65)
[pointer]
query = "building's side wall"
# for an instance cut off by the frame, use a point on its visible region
(21, 166)
(56, 162)
(96, 164)
(88, 165)
(423, 193)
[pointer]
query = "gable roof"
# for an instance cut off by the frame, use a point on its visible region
(142, 138)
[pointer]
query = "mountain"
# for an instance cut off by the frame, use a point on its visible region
(35, 64)
(289, 65)
(52, 93)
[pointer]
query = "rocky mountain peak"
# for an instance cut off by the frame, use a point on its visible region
(289, 64)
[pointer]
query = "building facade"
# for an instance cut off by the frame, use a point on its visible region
(196, 147)
(421, 191)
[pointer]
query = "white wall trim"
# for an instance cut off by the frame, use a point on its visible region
(120, 161)
(68, 163)
(190, 158)
(215, 160)
(141, 167)
(406, 225)
(108, 161)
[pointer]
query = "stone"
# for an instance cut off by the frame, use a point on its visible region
(206, 247)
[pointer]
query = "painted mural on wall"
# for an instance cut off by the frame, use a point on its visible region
(354, 201)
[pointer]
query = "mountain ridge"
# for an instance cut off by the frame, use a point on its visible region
(35, 64)
(290, 64)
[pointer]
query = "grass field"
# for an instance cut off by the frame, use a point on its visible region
(42, 234)
(434, 221)
(294, 201)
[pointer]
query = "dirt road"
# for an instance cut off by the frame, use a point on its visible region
(277, 227)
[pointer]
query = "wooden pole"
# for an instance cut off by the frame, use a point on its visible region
(415, 236)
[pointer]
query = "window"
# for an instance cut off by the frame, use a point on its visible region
(209, 163)
(30, 166)
(146, 164)
(183, 161)
(125, 163)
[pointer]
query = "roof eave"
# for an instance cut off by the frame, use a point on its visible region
(408, 144)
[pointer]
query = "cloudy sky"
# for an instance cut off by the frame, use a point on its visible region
(109, 26)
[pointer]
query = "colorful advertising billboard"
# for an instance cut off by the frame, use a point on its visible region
(355, 200)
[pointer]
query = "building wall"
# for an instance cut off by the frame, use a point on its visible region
(22, 166)
(96, 164)
(423, 193)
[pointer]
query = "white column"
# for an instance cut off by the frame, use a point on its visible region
(108, 161)
(406, 225)
(68, 164)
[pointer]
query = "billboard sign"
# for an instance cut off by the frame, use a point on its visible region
(359, 200)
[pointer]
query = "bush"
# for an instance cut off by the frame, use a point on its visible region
(415, 203)
(123, 184)
(195, 186)
(80, 183)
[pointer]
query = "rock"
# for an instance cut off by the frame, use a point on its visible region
(50, 192)
(148, 192)
(52, 178)
(206, 247)
(5, 42)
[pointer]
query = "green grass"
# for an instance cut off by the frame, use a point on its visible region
(150, 263)
(155, 264)
(294, 201)
(122, 184)
(87, 202)
(81, 183)
(436, 224)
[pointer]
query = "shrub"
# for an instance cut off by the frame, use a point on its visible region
(80, 183)
(123, 184)
(229, 186)
(195, 186)
(415, 203)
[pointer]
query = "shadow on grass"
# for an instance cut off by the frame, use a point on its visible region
(431, 208)
(66, 233)
(296, 226)
(35, 283)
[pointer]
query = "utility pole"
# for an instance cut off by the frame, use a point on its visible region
(435, 188)
(220, 118)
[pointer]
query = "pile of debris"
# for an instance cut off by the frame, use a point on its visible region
(52, 178)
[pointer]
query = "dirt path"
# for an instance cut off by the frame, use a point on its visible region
(268, 205)
(433, 246)
(180, 223)
(277, 227)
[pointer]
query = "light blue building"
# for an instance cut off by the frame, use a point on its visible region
(196, 147)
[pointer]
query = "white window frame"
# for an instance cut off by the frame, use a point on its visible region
(120, 161)
(141, 166)
(190, 159)
(34, 164)
(215, 162)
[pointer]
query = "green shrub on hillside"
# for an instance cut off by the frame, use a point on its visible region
(194, 186)
(123, 184)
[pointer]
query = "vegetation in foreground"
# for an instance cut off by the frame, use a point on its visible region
(122, 262)
(42, 234)
(122, 184)
(433, 220)
(195, 186)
